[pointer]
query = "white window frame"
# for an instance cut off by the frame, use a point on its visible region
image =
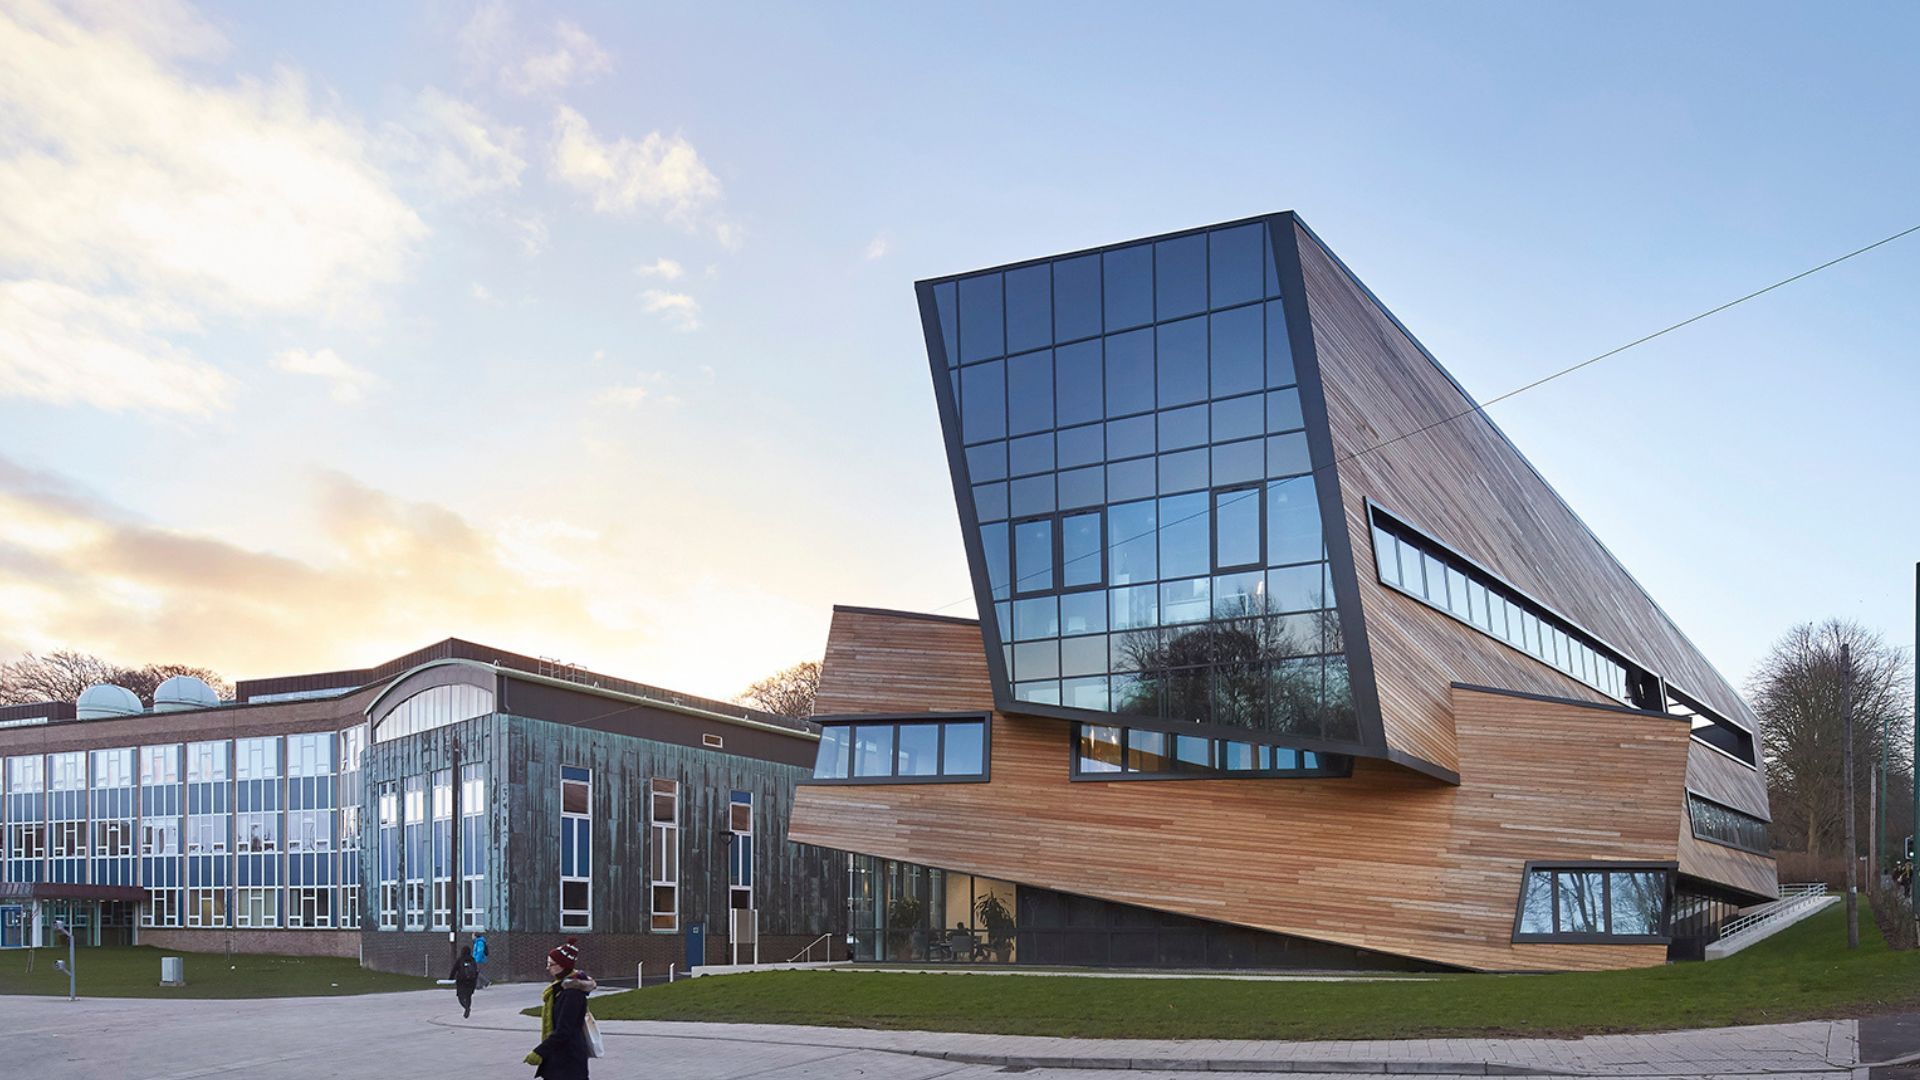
(576, 918)
(663, 856)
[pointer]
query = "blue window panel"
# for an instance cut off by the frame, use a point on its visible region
(983, 402)
(1238, 463)
(1132, 479)
(988, 461)
(1183, 471)
(1279, 349)
(1080, 549)
(1184, 531)
(1180, 276)
(1036, 618)
(832, 760)
(966, 748)
(1083, 613)
(1029, 307)
(993, 544)
(1127, 284)
(1287, 455)
(1283, 410)
(1132, 543)
(1029, 455)
(1076, 298)
(1297, 588)
(1185, 601)
(1040, 693)
(1182, 362)
(982, 318)
(1192, 750)
(1080, 446)
(1031, 495)
(990, 501)
(1239, 596)
(1030, 392)
(1234, 418)
(1237, 354)
(1237, 527)
(1033, 556)
(1293, 523)
(1085, 693)
(918, 750)
(948, 309)
(1077, 373)
(1181, 428)
(1082, 487)
(1129, 369)
(1234, 265)
(1134, 607)
(1131, 437)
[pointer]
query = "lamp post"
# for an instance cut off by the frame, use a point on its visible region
(60, 927)
(1846, 758)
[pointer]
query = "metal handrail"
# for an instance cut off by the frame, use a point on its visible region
(808, 951)
(1793, 898)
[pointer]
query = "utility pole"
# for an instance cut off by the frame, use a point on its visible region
(1846, 764)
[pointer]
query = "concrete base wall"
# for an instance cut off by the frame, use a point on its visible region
(522, 957)
(272, 942)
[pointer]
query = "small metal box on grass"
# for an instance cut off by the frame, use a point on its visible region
(173, 971)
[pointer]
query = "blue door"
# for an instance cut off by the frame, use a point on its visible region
(696, 945)
(10, 919)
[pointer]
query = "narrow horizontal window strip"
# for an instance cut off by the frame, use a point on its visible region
(1724, 825)
(1112, 752)
(903, 750)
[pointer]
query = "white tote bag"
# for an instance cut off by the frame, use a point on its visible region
(596, 1046)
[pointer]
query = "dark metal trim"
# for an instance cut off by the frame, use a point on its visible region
(1671, 868)
(958, 620)
(940, 719)
(1101, 249)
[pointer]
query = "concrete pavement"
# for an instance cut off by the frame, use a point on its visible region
(422, 1034)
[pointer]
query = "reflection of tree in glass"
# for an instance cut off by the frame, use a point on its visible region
(1245, 668)
(1637, 902)
(1580, 903)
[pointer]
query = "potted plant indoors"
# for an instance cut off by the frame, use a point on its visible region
(994, 915)
(903, 922)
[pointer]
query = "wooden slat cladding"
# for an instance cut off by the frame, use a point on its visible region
(1743, 870)
(1462, 481)
(1384, 860)
(896, 661)
(1725, 781)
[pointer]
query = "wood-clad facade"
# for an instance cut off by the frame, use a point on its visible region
(1138, 438)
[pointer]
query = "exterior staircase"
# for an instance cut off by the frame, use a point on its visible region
(1796, 902)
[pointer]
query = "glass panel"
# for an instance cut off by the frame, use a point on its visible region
(1135, 607)
(993, 543)
(1183, 536)
(1181, 428)
(1127, 282)
(1637, 902)
(1083, 655)
(1134, 479)
(944, 304)
(1029, 307)
(831, 762)
(1296, 588)
(966, 748)
(1233, 264)
(1147, 751)
(1081, 445)
(1536, 903)
(1131, 437)
(1129, 367)
(1080, 549)
(1029, 392)
(982, 326)
(1183, 471)
(1076, 297)
(990, 501)
(919, 749)
(1182, 361)
(988, 461)
(1132, 543)
(1083, 613)
(1083, 487)
(1033, 454)
(1279, 351)
(873, 750)
(983, 402)
(1283, 410)
(1085, 693)
(1293, 522)
(1287, 455)
(1237, 354)
(1237, 535)
(1041, 693)
(1237, 756)
(1036, 660)
(1099, 749)
(1077, 373)
(1239, 462)
(1193, 752)
(1036, 618)
(1180, 276)
(1580, 907)
(1234, 418)
(1185, 601)
(1030, 495)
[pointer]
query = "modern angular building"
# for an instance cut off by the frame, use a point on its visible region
(383, 812)
(1285, 654)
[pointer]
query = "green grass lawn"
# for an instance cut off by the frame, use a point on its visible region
(135, 972)
(1804, 972)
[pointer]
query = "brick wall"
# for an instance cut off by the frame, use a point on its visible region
(520, 957)
(273, 942)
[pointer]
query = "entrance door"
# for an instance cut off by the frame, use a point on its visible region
(696, 945)
(10, 922)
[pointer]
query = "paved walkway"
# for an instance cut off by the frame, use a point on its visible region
(422, 1034)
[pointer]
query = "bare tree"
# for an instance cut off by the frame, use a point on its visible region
(1799, 692)
(786, 693)
(61, 675)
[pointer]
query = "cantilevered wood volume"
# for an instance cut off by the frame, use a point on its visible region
(1258, 677)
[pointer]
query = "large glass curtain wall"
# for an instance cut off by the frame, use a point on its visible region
(1132, 435)
(904, 912)
(223, 833)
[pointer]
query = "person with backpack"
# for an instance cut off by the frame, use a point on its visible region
(564, 1045)
(480, 955)
(465, 976)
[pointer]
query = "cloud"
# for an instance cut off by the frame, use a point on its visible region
(346, 383)
(662, 268)
(455, 150)
(877, 247)
(532, 233)
(481, 293)
(76, 571)
(140, 198)
(659, 172)
(489, 47)
(681, 311)
(626, 396)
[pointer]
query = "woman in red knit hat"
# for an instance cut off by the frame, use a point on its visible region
(562, 1053)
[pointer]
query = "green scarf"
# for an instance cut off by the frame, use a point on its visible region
(546, 1008)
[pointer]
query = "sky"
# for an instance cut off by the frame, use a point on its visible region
(588, 331)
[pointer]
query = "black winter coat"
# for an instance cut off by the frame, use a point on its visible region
(563, 1055)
